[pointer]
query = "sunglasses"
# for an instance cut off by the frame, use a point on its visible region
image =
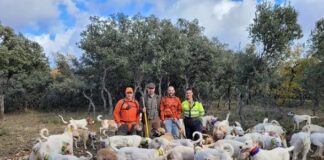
(129, 93)
(151, 88)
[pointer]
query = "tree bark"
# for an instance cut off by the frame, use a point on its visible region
(103, 84)
(315, 105)
(111, 107)
(1, 108)
(240, 105)
(91, 104)
(220, 100)
(229, 97)
(160, 86)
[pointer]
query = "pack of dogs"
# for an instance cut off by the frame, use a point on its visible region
(218, 141)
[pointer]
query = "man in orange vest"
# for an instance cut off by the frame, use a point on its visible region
(127, 114)
(170, 110)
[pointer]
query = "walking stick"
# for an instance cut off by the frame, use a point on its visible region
(147, 134)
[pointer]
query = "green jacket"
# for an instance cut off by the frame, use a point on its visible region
(195, 110)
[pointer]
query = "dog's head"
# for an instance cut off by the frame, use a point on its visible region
(92, 136)
(291, 113)
(67, 149)
(276, 141)
(157, 142)
(238, 131)
(90, 120)
(161, 131)
(248, 146)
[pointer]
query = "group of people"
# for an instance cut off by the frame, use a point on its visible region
(159, 112)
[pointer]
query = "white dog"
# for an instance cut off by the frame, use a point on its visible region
(54, 144)
(313, 128)
(317, 139)
(125, 141)
(107, 124)
(41, 150)
(220, 153)
(235, 145)
(302, 143)
(57, 156)
(81, 123)
(257, 153)
(134, 153)
(300, 118)
(236, 130)
(208, 122)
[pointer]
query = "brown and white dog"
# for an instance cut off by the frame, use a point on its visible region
(81, 123)
(106, 124)
(84, 135)
(106, 154)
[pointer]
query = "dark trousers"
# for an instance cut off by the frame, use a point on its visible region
(192, 125)
(123, 130)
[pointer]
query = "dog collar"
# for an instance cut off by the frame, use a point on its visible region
(46, 157)
(213, 121)
(159, 152)
(273, 141)
(254, 151)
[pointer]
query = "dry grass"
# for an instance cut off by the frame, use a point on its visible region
(19, 131)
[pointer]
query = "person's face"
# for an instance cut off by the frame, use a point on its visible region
(171, 91)
(189, 94)
(150, 91)
(129, 95)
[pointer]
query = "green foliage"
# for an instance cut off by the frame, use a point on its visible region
(317, 40)
(275, 27)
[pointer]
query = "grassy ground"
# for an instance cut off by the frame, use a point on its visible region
(19, 131)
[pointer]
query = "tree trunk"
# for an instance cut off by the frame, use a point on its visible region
(91, 104)
(229, 97)
(111, 107)
(220, 100)
(1, 108)
(160, 86)
(103, 84)
(102, 93)
(315, 105)
(240, 105)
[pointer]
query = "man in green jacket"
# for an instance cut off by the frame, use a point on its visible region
(192, 112)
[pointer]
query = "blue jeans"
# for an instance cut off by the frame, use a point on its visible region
(172, 128)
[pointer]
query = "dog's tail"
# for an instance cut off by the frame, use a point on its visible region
(227, 116)
(42, 131)
(265, 120)
(274, 122)
(314, 117)
(87, 158)
(99, 118)
(65, 122)
(199, 139)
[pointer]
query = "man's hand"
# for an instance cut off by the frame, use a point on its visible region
(119, 124)
(144, 109)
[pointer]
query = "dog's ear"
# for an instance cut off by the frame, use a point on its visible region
(237, 124)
